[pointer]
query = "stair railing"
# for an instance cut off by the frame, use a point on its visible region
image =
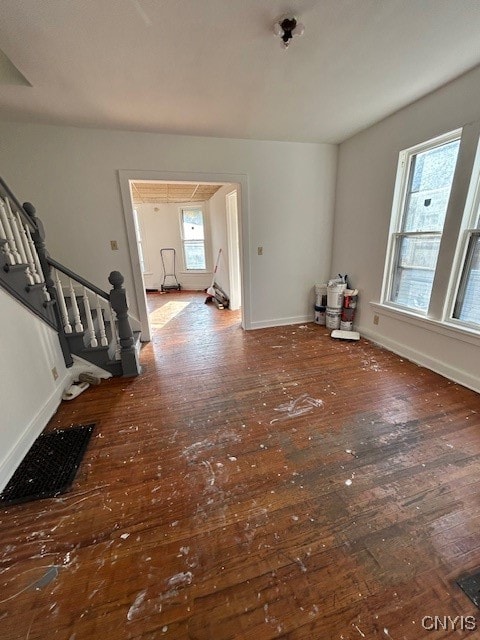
(17, 243)
(69, 303)
(100, 316)
(84, 308)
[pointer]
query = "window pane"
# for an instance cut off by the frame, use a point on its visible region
(413, 277)
(192, 224)
(468, 305)
(431, 175)
(195, 254)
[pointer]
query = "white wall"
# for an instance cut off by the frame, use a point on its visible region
(160, 228)
(71, 175)
(29, 396)
(365, 182)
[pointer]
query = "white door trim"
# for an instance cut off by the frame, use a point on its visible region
(125, 177)
(233, 241)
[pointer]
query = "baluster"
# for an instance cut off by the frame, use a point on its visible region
(4, 245)
(115, 344)
(36, 259)
(67, 327)
(101, 324)
(17, 237)
(88, 315)
(14, 256)
(75, 310)
(31, 272)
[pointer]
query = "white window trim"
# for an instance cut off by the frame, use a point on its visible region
(470, 218)
(206, 236)
(468, 177)
(398, 212)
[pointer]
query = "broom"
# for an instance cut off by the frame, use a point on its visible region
(211, 289)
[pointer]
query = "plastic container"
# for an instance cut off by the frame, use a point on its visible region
(346, 326)
(350, 298)
(321, 295)
(335, 295)
(348, 314)
(332, 318)
(320, 315)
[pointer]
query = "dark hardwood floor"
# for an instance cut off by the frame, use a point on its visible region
(253, 485)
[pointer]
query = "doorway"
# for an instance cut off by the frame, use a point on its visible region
(224, 229)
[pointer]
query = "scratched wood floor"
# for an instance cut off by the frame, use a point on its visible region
(202, 510)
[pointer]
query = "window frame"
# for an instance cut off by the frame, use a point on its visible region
(401, 192)
(198, 207)
(469, 230)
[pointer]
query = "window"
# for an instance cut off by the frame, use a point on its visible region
(467, 304)
(193, 239)
(424, 183)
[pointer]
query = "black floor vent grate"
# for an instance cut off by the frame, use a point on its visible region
(50, 466)
(471, 587)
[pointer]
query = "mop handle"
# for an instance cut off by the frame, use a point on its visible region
(216, 263)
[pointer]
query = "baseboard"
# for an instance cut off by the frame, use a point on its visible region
(424, 360)
(280, 322)
(16, 454)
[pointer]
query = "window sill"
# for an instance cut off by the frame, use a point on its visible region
(450, 330)
(195, 273)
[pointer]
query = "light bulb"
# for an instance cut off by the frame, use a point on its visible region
(299, 29)
(277, 29)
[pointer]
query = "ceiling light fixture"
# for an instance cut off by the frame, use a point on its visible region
(287, 27)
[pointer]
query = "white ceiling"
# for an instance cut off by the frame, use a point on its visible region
(214, 67)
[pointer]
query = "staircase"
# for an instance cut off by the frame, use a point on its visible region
(91, 323)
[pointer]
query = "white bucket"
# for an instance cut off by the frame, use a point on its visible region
(346, 326)
(332, 318)
(320, 295)
(320, 316)
(335, 295)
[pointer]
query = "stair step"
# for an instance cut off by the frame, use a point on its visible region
(38, 286)
(100, 348)
(13, 268)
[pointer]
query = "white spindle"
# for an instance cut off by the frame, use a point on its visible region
(14, 256)
(101, 324)
(5, 247)
(113, 325)
(75, 310)
(32, 251)
(67, 327)
(16, 234)
(31, 272)
(88, 315)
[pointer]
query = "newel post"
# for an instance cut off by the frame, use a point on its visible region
(118, 300)
(38, 237)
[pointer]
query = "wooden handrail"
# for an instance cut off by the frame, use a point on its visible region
(83, 281)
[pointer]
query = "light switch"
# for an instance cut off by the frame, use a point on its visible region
(114, 245)
(260, 251)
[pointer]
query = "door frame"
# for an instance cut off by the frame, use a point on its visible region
(241, 180)
(233, 242)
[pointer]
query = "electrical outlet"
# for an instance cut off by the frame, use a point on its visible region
(376, 319)
(114, 245)
(54, 373)
(260, 251)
